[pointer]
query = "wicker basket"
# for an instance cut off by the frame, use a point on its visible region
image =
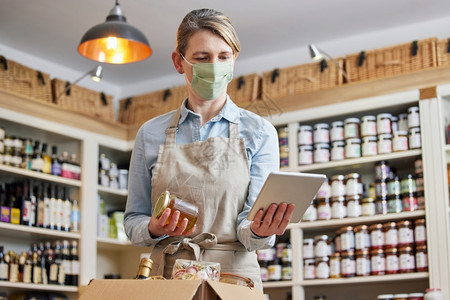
(138, 109)
(390, 61)
(22, 80)
(83, 100)
(244, 89)
(302, 79)
(443, 52)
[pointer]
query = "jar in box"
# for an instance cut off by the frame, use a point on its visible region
(410, 202)
(354, 206)
(384, 123)
(309, 269)
(368, 207)
(348, 264)
(321, 133)
(406, 260)
(337, 150)
(338, 186)
(322, 247)
(382, 170)
(390, 234)
(420, 233)
(381, 205)
(394, 124)
(323, 209)
(335, 265)
(369, 145)
(322, 267)
(413, 117)
(376, 235)
(400, 141)
(405, 233)
(362, 237)
(392, 263)
(305, 155)
(384, 143)
(421, 258)
(353, 148)
(311, 213)
(353, 184)
(308, 248)
(347, 238)
(362, 262)
(414, 138)
(305, 135)
(368, 125)
(321, 153)
(377, 262)
(338, 208)
(351, 128)
(395, 204)
(337, 131)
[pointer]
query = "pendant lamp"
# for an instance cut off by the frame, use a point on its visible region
(317, 54)
(115, 41)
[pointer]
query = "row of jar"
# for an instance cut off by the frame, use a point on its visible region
(110, 175)
(362, 237)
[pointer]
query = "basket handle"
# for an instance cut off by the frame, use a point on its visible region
(4, 62)
(241, 82)
(448, 46)
(414, 48)
(40, 77)
(128, 102)
(167, 94)
(103, 99)
(275, 75)
(323, 65)
(361, 58)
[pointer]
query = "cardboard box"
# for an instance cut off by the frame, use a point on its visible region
(167, 289)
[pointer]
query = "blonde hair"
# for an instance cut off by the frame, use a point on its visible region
(211, 20)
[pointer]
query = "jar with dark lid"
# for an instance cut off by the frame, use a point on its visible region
(382, 170)
(381, 188)
(353, 148)
(145, 267)
(323, 209)
(348, 264)
(381, 205)
(369, 146)
(420, 232)
(394, 124)
(384, 123)
(406, 259)
(362, 237)
(362, 262)
(377, 262)
(405, 233)
(368, 207)
(338, 208)
(392, 263)
(390, 234)
(408, 184)
(311, 213)
(376, 235)
(305, 135)
(394, 186)
(337, 150)
(400, 296)
(421, 258)
(322, 267)
(413, 117)
(335, 265)
(414, 138)
(400, 141)
(354, 208)
(309, 269)
(305, 155)
(321, 153)
(353, 184)
(274, 270)
(351, 128)
(322, 246)
(395, 204)
(321, 133)
(308, 248)
(368, 125)
(384, 143)
(187, 209)
(338, 186)
(337, 131)
(347, 238)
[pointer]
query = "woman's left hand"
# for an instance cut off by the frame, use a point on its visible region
(274, 221)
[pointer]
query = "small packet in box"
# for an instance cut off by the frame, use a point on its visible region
(195, 270)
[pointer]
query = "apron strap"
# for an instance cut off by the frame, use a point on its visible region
(234, 131)
(171, 131)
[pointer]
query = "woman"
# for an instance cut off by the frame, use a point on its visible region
(209, 152)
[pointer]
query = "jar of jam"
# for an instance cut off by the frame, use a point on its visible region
(362, 262)
(420, 232)
(274, 270)
(321, 153)
(322, 267)
(400, 141)
(369, 145)
(392, 263)
(362, 237)
(384, 123)
(309, 269)
(337, 131)
(311, 213)
(338, 208)
(368, 207)
(353, 184)
(187, 209)
(263, 265)
(323, 209)
(354, 208)
(421, 200)
(410, 202)
(353, 148)
(403, 122)
(395, 204)
(421, 258)
(384, 143)
(305, 135)
(382, 170)
(324, 190)
(308, 248)
(338, 186)
(381, 205)
(337, 241)
(348, 264)
(337, 150)
(413, 117)
(406, 260)
(321, 133)
(368, 125)
(394, 186)
(377, 262)
(418, 165)
(335, 265)
(390, 234)
(322, 246)
(305, 155)
(376, 235)
(408, 184)
(381, 188)
(347, 238)
(394, 124)
(419, 182)
(414, 138)
(351, 128)
(405, 233)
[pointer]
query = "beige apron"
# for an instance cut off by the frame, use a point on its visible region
(213, 174)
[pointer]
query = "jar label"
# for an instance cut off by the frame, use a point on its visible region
(323, 270)
(309, 272)
(392, 263)
(391, 237)
(420, 234)
(362, 266)
(405, 236)
(406, 262)
(378, 263)
(421, 260)
(362, 240)
(377, 238)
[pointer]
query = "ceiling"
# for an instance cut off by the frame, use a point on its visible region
(52, 29)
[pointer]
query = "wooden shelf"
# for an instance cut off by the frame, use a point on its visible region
(42, 176)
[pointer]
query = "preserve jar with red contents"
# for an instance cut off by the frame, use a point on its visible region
(362, 262)
(405, 233)
(362, 237)
(347, 238)
(420, 233)
(410, 202)
(407, 261)
(415, 296)
(392, 263)
(421, 258)
(377, 262)
(348, 264)
(390, 234)
(376, 235)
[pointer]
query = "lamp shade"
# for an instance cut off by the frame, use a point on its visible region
(115, 41)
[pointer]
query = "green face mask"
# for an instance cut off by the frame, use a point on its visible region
(210, 79)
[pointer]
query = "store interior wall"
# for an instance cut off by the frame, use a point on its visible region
(340, 46)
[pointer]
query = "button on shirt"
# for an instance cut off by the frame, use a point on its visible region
(261, 142)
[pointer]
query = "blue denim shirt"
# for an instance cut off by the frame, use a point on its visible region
(261, 142)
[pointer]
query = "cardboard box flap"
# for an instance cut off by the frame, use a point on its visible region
(140, 289)
(228, 291)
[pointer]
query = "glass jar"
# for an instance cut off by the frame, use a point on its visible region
(274, 270)
(263, 265)
(394, 124)
(381, 189)
(403, 122)
(347, 238)
(400, 296)
(395, 204)
(368, 125)
(413, 117)
(414, 138)
(390, 234)
(392, 263)
(353, 184)
(267, 254)
(322, 246)
(322, 267)
(405, 233)
(419, 182)
(394, 186)
(376, 235)
(321, 153)
(308, 248)
(362, 237)
(337, 131)
(400, 141)
(337, 150)
(382, 170)
(421, 258)
(305, 135)
(362, 262)
(311, 213)
(338, 186)
(420, 232)
(418, 165)
(335, 265)
(352, 148)
(384, 143)
(338, 208)
(351, 128)
(305, 155)
(433, 294)
(337, 241)
(348, 264)
(369, 145)
(406, 260)
(408, 184)
(377, 262)
(187, 209)
(321, 133)
(368, 207)
(309, 269)
(381, 205)
(354, 209)
(421, 200)
(384, 123)
(324, 190)
(410, 202)
(284, 156)
(323, 209)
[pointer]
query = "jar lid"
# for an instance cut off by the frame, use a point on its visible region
(422, 247)
(377, 251)
(362, 252)
(414, 130)
(368, 200)
(400, 133)
(376, 226)
(353, 175)
(400, 295)
(321, 259)
(146, 262)
(306, 128)
(419, 222)
(338, 143)
(337, 123)
(322, 146)
(385, 297)
(335, 254)
(321, 237)
(347, 253)
(353, 141)
(321, 125)
(405, 223)
(368, 118)
(390, 225)
(351, 120)
(347, 228)
(352, 197)
(384, 116)
(391, 250)
(413, 109)
(405, 249)
(308, 241)
(361, 227)
(403, 116)
(338, 199)
(370, 138)
(161, 204)
(385, 136)
(305, 147)
(337, 177)
(394, 118)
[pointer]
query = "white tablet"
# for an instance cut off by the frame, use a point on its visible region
(289, 187)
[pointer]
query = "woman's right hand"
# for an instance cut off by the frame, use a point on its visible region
(158, 227)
